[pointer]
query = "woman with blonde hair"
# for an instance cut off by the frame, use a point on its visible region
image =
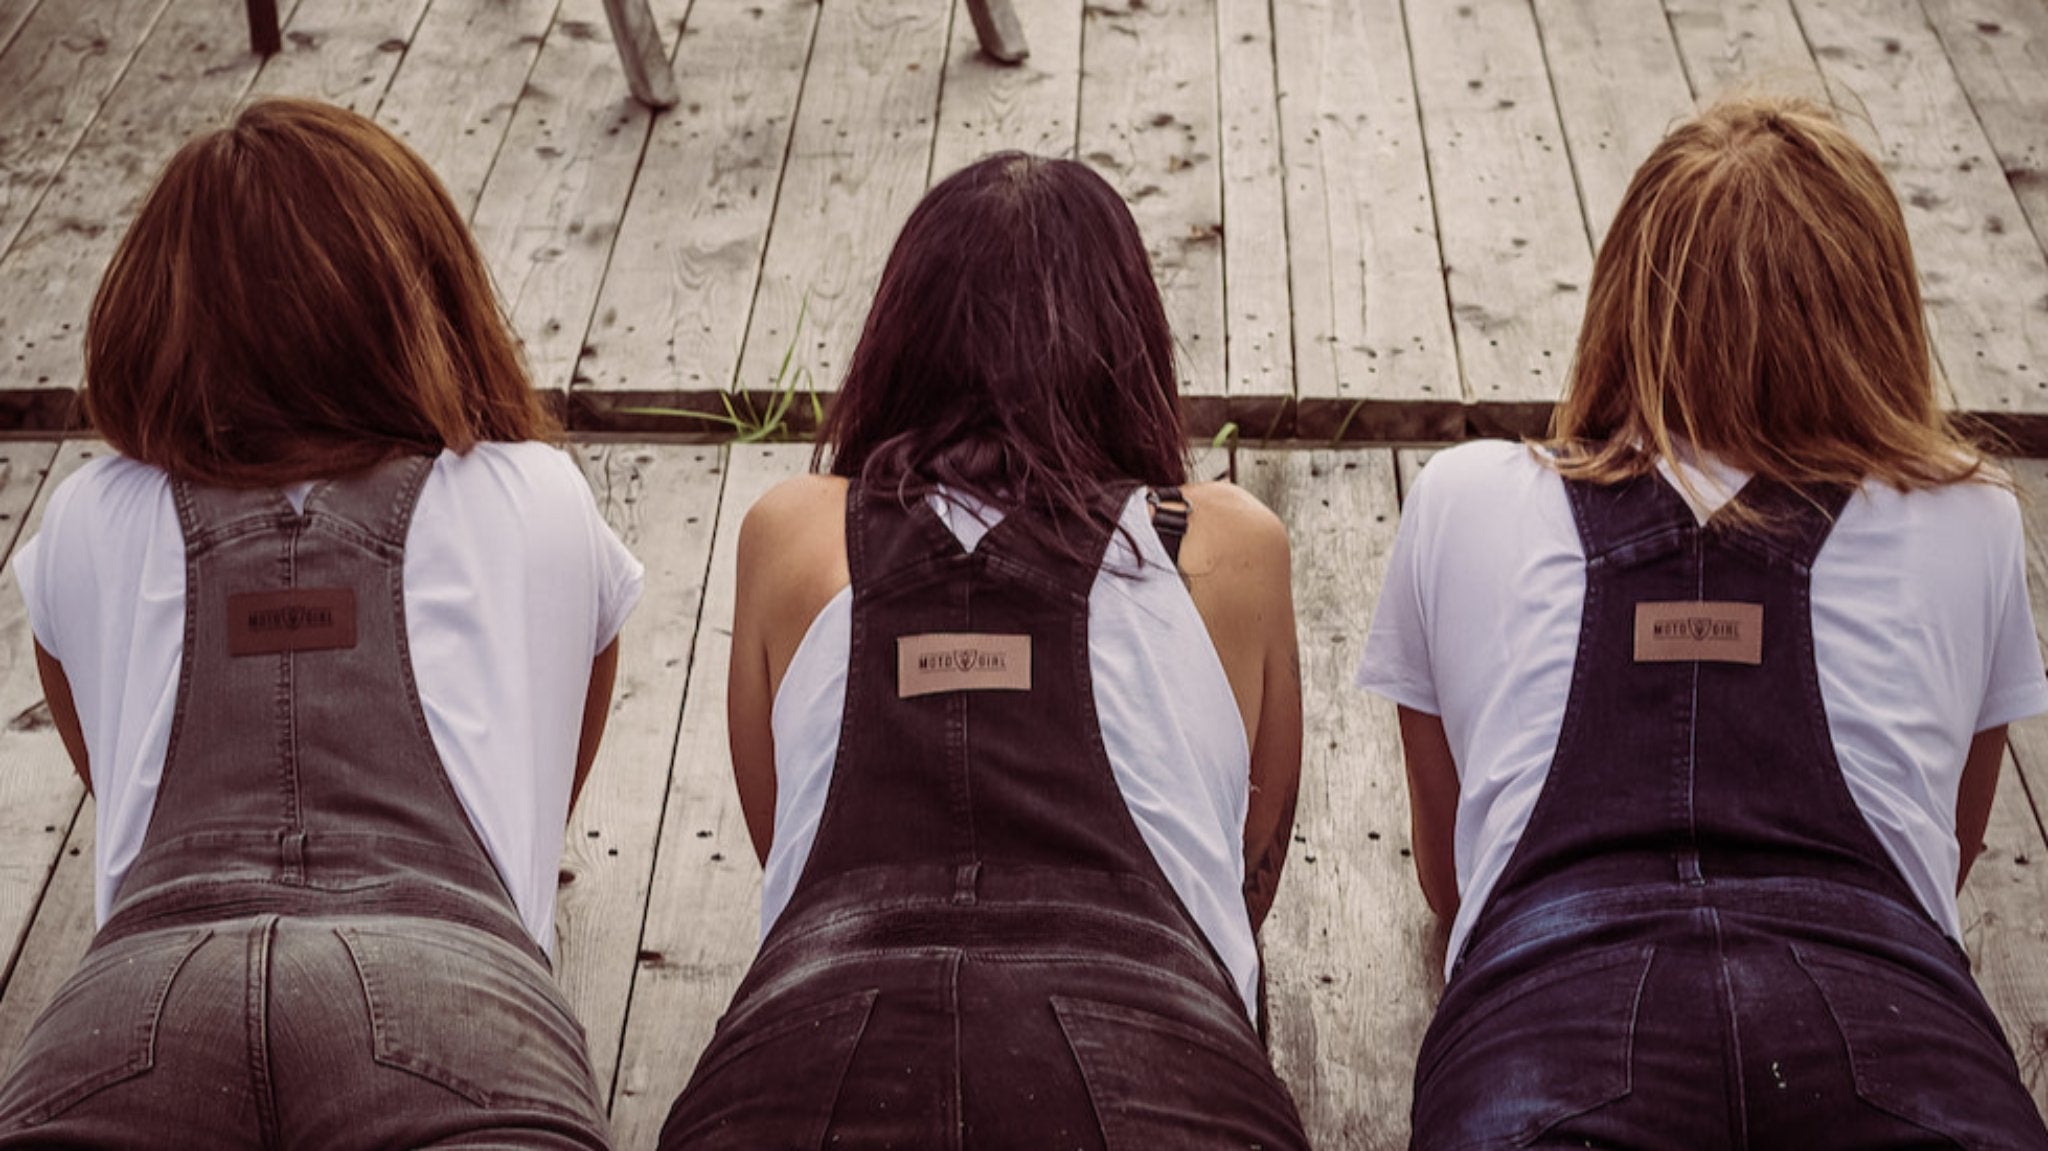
(1703, 698)
(331, 641)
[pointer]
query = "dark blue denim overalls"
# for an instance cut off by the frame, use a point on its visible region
(313, 949)
(1699, 942)
(981, 951)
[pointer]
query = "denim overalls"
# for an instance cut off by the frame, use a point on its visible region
(313, 949)
(981, 951)
(1698, 942)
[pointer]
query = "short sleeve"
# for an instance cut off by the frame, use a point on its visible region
(625, 579)
(1396, 662)
(28, 576)
(35, 563)
(620, 576)
(2017, 687)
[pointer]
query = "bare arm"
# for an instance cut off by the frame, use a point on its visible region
(791, 562)
(1973, 798)
(750, 702)
(64, 713)
(1432, 808)
(597, 708)
(1239, 574)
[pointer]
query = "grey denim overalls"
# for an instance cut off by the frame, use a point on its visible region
(981, 951)
(313, 949)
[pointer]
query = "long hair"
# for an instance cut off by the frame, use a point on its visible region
(299, 298)
(1757, 299)
(1017, 349)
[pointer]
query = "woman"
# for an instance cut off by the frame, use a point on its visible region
(1022, 794)
(1703, 699)
(332, 642)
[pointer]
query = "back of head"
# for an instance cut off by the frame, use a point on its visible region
(1757, 299)
(1017, 348)
(299, 298)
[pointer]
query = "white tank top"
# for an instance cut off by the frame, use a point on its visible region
(1175, 738)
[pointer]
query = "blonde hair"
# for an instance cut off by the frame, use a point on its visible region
(1757, 299)
(298, 298)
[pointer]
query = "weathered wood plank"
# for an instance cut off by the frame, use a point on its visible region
(2005, 926)
(60, 63)
(1352, 952)
(671, 317)
(703, 910)
(23, 464)
(1999, 49)
(858, 159)
(2030, 740)
(1730, 46)
(341, 51)
(1984, 278)
(550, 209)
(185, 79)
(1515, 250)
(1596, 49)
(1373, 353)
(55, 942)
(13, 14)
(1149, 124)
(1258, 348)
(462, 75)
(1029, 107)
(663, 502)
(39, 791)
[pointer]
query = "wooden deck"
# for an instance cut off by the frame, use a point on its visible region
(1373, 219)
(659, 886)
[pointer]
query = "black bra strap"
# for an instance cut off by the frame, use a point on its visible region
(1169, 519)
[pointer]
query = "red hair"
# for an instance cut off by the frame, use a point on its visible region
(299, 298)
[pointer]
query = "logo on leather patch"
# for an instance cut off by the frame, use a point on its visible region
(961, 661)
(294, 619)
(1709, 632)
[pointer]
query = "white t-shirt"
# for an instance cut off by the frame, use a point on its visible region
(513, 582)
(1175, 737)
(1922, 634)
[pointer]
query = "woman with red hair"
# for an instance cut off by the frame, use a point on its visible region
(331, 641)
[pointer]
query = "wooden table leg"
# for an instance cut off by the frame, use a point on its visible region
(647, 68)
(263, 37)
(995, 23)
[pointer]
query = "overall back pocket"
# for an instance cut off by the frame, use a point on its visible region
(101, 1029)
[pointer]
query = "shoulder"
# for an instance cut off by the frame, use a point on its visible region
(792, 548)
(513, 469)
(1236, 555)
(1974, 516)
(1235, 519)
(797, 506)
(110, 497)
(1482, 470)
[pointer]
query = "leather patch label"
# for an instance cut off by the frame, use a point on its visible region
(292, 619)
(961, 661)
(1709, 632)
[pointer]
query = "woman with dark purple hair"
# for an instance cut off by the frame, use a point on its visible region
(1015, 720)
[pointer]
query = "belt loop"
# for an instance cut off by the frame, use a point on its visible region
(292, 855)
(965, 879)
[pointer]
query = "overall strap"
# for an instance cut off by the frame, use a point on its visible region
(1169, 518)
(1694, 745)
(300, 775)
